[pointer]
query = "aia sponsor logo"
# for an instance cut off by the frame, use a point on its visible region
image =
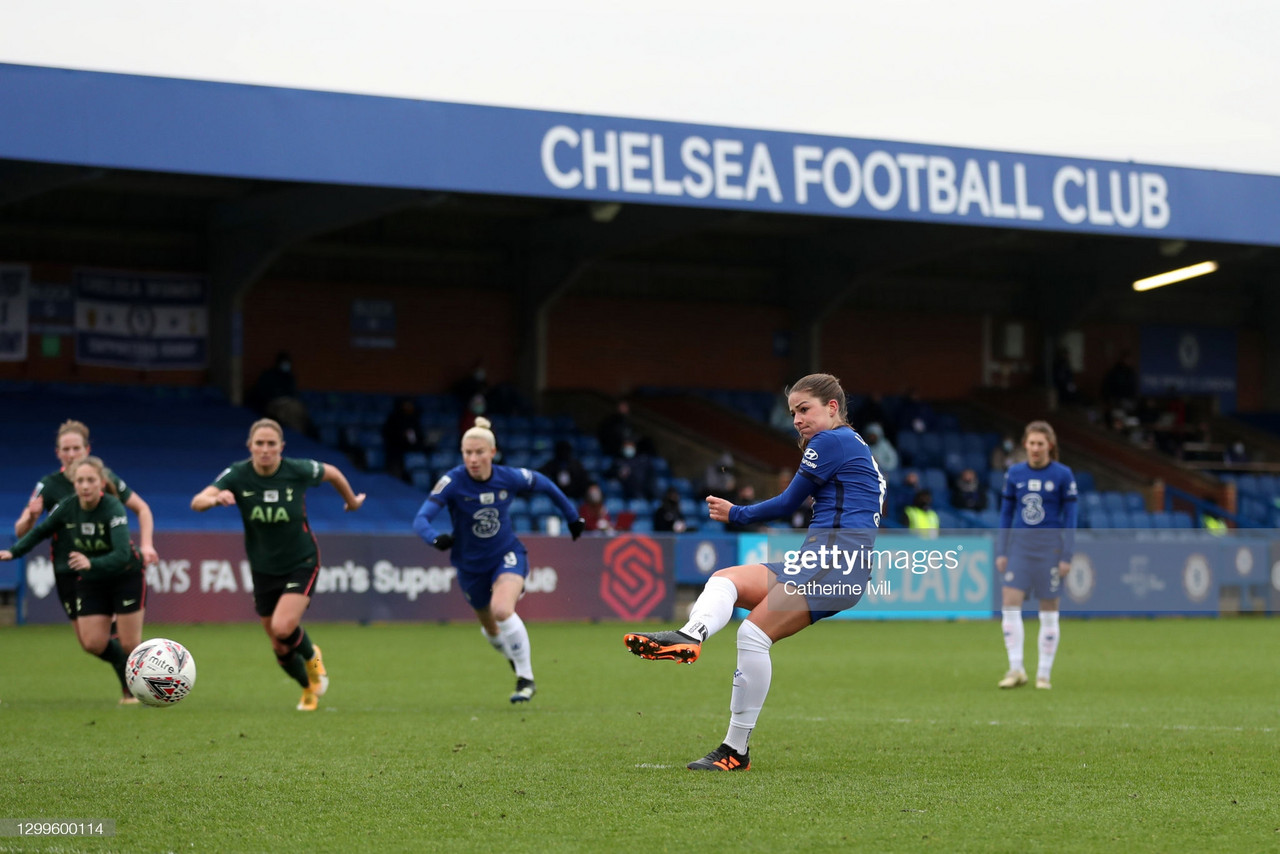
(634, 578)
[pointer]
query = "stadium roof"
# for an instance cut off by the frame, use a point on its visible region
(376, 187)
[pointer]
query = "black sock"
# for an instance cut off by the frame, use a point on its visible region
(301, 643)
(295, 667)
(114, 655)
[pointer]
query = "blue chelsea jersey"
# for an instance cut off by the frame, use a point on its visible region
(481, 513)
(1038, 500)
(850, 488)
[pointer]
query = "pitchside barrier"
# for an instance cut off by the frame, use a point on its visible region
(204, 577)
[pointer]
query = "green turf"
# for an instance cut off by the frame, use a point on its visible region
(1158, 735)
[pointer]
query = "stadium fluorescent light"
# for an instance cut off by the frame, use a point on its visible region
(1202, 269)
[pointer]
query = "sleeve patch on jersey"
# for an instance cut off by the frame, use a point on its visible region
(810, 458)
(444, 481)
(117, 521)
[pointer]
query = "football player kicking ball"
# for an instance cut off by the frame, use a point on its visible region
(1033, 553)
(837, 469)
(270, 490)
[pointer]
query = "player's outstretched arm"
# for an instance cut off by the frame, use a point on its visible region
(334, 476)
(211, 496)
(146, 528)
(30, 513)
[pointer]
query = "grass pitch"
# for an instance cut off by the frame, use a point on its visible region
(1159, 735)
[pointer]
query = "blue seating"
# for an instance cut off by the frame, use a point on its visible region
(1134, 502)
(1114, 502)
(935, 480)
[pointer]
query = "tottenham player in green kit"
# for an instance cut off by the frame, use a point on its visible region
(270, 490)
(107, 568)
(71, 446)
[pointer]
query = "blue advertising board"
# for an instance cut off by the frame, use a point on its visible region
(1189, 360)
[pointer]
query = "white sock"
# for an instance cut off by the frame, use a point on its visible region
(515, 643)
(713, 608)
(1011, 622)
(1049, 635)
(750, 684)
(495, 641)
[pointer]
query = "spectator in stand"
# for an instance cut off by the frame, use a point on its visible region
(802, 516)
(872, 411)
(594, 513)
(476, 408)
(475, 382)
(668, 516)
(634, 471)
(967, 492)
(900, 496)
(882, 450)
(1064, 379)
(920, 516)
(745, 497)
(275, 395)
(1120, 386)
(1006, 453)
(721, 477)
(566, 471)
(1235, 453)
(914, 415)
(401, 433)
(616, 429)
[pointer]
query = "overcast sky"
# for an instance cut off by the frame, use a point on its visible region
(1170, 83)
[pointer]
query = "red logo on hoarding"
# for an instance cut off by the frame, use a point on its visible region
(633, 579)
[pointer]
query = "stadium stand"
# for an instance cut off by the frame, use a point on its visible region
(168, 444)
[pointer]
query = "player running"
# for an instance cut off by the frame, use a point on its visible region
(270, 490)
(492, 563)
(90, 529)
(71, 446)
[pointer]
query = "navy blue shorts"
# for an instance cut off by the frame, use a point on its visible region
(1035, 575)
(477, 587)
(829, 585)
